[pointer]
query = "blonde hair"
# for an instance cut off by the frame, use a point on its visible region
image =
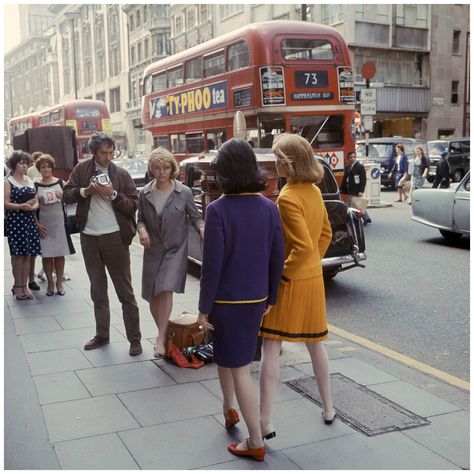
(296, 156)
(160, 156)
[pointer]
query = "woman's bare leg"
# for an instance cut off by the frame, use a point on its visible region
(247, 397)
(227, 386)
(319, 360)
(48, 271)
(160, 307)
(59, 263)
(269, 374)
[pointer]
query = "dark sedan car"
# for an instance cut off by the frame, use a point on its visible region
(137, 169)
(347, 248)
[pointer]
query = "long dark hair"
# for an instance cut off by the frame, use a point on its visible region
(236, 168)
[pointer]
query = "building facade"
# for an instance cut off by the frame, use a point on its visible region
(100, 51)
(148, 40)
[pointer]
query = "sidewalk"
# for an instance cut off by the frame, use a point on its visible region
(66, 408)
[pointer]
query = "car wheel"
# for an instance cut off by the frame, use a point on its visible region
(450, 236)
(457, 176)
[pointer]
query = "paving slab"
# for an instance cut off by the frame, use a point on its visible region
(57, 361)
(84, 319)
(95, 453)
(446, 436)
(414, 399)
(87, 417)
(359, 452)
(180, 375)
(34, 325)
(59, 387)
(123, 378)
(355, 369)
(117, 353)
(171, 404)
(34, 308)
(273, 461)
(61, 339)
(185, 444)
(299, 422)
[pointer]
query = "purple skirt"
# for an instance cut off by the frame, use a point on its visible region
(235, 334)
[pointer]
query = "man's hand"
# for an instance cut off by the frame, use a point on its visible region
(105, 189)
(91, 189)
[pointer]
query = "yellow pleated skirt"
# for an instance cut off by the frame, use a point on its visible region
(300, 312)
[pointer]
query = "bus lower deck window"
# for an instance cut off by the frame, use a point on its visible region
(322, 131)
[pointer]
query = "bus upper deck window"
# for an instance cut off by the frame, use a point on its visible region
(306, 49)
(158, 82)
(147, 85)
(214, 64)
(237, 56)
(175, 77)
(192, 70)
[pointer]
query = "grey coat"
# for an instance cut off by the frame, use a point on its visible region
(165, 262)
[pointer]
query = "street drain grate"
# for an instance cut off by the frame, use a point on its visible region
(360, 407)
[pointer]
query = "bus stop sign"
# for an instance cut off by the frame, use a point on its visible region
(368, 70)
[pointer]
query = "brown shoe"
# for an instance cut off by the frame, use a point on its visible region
(96, 342)
(135, 348)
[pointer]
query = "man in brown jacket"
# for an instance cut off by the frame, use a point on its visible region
(107, 200)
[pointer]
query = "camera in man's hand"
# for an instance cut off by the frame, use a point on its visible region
(102, 179)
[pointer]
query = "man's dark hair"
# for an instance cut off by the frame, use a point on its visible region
(17, 156)
(236, 168)
(98, 139)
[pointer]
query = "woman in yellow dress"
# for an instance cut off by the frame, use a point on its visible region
(300, 312)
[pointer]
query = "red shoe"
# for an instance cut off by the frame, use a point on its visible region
(231, 418)
(258, 453)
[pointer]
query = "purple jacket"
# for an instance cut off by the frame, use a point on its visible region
(243, 251)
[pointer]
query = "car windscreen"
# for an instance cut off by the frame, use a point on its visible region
(134, 166)
(376, 150)
(436, 148)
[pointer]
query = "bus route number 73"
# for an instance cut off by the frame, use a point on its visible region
(312, 79)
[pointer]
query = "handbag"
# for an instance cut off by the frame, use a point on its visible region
(186, 362)
(70, 219)
(184, 331)
(359, 203)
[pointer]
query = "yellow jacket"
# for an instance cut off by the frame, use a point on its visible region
(307, 230)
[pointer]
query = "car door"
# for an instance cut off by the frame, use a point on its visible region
(461, 210)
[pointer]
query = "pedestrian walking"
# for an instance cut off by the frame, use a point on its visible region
(55, 241)
(420, 171)
(20, 202)
(353, 182)
(400, 172)
(300, 312)
(241, 268)
(164, 206)
(107, 201)
(443, 171)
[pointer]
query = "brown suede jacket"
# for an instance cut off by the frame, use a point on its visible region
(124, 205)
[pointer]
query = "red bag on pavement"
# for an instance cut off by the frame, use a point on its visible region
(175, 354)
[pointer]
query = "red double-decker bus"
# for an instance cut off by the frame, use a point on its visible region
(21, 123)
(85, 116)
(285, 76)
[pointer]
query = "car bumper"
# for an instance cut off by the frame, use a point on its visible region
(344, 260)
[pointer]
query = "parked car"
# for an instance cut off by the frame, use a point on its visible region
(445, 209)
(458, 158)
(137, 169)
(347, 248)
(382, 150)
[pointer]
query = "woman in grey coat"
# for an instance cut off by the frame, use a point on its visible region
(164, 206)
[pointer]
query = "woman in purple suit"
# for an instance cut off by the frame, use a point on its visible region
(243, 257)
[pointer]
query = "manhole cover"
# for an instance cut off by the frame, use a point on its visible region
(360, 407)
